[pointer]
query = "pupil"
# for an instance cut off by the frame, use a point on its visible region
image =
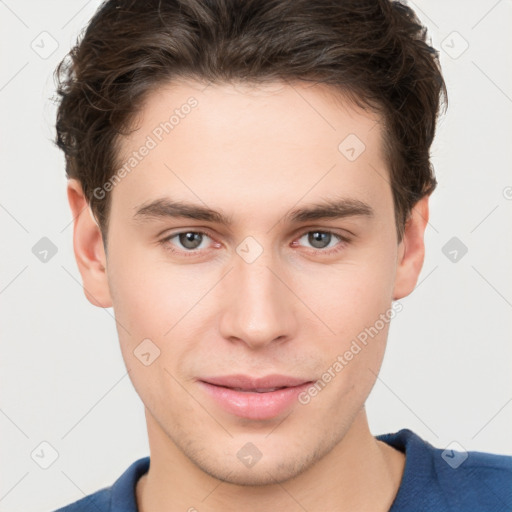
(187, 240)
(315, 239)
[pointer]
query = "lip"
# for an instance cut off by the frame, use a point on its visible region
(248, 403)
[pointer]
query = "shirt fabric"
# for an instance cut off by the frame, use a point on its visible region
(434, 480)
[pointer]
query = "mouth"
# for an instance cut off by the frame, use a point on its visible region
(254, 398)
(255, 390)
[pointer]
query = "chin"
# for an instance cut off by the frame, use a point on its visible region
(276, 470)
(249, 477)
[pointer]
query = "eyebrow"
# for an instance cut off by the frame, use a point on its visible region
(326, 209)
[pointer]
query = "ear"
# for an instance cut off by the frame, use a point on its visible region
(88, 247)
(411, 250)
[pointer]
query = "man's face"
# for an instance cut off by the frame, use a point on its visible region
(265, 294)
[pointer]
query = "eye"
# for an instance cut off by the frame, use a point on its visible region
(187, 241)
(324, 241)
(191, 243)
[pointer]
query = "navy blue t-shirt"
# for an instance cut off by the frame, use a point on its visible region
(434, 480)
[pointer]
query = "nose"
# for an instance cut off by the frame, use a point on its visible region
(260, 308)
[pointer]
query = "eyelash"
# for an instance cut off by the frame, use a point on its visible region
(195, 252)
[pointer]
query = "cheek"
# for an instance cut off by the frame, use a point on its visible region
(150, 297)
(357, 306)
(160, 302)
(356, 295)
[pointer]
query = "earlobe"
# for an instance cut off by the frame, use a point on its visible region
(411, 251)
(88, 248)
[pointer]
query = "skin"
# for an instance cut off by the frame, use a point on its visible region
(254, 153)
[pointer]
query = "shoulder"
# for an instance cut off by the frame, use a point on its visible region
(451, 478)
(474, 480)
(98, 501)
(120, 497)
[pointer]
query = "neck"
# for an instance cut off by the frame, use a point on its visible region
(359, 474)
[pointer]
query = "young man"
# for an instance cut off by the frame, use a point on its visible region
(249, 182)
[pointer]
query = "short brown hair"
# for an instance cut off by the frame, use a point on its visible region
(373, 50)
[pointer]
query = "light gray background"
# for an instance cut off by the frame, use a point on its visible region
(446, 374)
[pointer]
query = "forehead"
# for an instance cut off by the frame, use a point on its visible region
(292, 113)
(268, 143)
